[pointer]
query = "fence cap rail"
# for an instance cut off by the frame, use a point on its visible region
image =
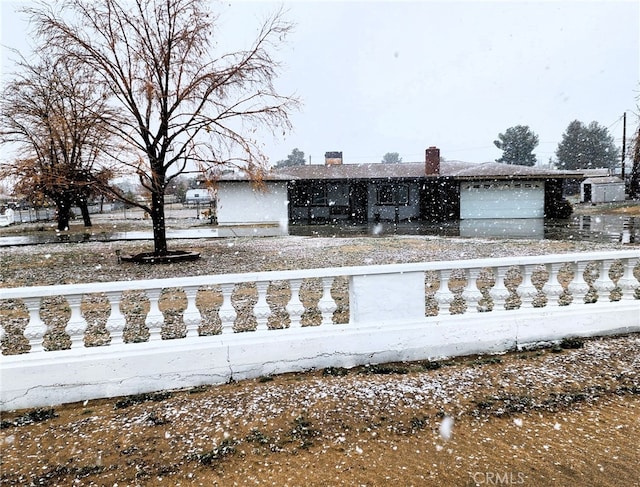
(216, 279)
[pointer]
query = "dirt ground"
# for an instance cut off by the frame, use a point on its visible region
(626, 208)
(568, 415)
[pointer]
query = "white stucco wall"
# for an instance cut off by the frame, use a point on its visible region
(240, 203)
(387, 324)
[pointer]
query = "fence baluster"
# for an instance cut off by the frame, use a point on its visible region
(499, 292)
(155, 318)
(262, 310)
(603, 284)
(36, 329)
(77, 324)
(116, 321)
(327, 304)
(444, 296)
(191, 316)
(553, 288)
(578, 286)
(295, 308)
(227, 312)
(527, 291)
(628, 282)
(471, 294)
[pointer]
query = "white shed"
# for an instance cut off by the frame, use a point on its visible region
(501, 199)
(602, 190)
(239, 202)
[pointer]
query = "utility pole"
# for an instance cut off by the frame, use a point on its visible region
(624, 141)
(634, 186)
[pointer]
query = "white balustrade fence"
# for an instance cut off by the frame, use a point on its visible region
(75, 342)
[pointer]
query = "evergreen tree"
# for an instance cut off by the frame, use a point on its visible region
(296, 158)
(586, 147)
(391, 158)
(517, 143)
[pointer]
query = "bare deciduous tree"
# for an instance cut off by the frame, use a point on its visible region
(53, 112)
(181, 104)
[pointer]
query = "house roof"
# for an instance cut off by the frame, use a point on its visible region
(498, 170)
(604, 180)
(595, 173)
(411, 170)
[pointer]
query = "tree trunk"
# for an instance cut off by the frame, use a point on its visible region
(63, 205)
(159, 228)
(86, 217)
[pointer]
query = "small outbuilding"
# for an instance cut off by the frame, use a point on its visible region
(602, 190)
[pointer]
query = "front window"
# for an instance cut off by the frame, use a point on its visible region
(393, 194)
(318, 195)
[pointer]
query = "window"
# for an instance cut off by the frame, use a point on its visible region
(318, 195)
(393, 194)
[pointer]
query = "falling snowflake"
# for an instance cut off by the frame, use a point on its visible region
(446, 427)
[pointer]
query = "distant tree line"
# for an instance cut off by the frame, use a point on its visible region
(582, 147)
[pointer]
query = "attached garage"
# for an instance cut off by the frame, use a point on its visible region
(501, 199)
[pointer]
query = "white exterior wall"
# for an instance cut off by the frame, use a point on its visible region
(502, 199)
(240, 203)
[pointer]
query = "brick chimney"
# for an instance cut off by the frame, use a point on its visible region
(432, 161)
(332, 158)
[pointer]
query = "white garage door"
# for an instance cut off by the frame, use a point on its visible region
(504, 199)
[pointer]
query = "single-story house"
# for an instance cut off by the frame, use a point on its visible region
(432, 190)
(602, 189)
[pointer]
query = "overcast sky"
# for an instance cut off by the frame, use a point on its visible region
(377, 77)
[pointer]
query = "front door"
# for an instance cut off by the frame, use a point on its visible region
(358, 202)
